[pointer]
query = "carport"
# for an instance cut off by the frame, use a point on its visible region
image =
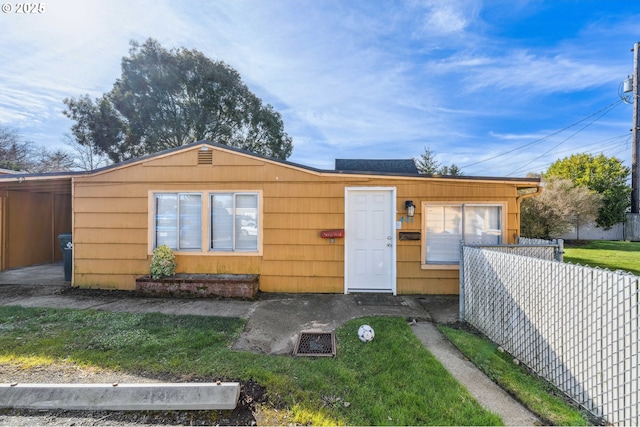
(34, 210)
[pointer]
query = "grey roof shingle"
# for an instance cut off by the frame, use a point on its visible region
(405, 166)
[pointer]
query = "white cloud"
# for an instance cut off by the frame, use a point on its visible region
(516, 137)
(528, 72)
(371, 78)
(445, 18)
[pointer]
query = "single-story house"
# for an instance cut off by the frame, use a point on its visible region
(368, 226)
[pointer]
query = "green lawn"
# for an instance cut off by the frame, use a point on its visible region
(393, 380)
(535, 393)
(613, 255)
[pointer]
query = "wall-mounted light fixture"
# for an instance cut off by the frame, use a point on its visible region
(410, 208)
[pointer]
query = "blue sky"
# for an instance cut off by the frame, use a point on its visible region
(486, 85)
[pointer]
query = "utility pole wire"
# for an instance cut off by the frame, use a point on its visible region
(611, 106)
(566, 139)
(615, 141)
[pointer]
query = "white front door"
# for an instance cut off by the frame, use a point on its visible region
(370, 243)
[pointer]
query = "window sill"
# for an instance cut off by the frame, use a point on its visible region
(215, 253)
(440, 266)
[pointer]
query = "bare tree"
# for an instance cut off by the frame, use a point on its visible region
(19, 154)
(601, 174)
(54, 161)
(560, 206)
(87, 157)
(15, 153)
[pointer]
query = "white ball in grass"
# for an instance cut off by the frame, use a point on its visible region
(365, 333)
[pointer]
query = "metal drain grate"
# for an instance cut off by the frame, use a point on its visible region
(315, 344)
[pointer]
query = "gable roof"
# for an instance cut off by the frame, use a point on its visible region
(403, 166)
(353, 166)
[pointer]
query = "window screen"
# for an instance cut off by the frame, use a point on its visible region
(448, 225)
(178, 222)
(234, 222)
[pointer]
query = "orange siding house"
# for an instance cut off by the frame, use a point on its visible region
(225, 210)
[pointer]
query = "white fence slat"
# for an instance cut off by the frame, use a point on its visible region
(578, 327)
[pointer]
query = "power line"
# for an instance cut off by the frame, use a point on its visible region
(621, 148)
(609, 107)
(612, 141)
(617, 149)
(626, 149)
(599, 147)
(569, 137)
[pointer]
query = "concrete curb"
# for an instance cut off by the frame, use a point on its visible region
(121, 397)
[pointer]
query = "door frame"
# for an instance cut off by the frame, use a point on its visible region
(392, 227)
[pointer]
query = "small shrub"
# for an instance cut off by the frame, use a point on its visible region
(163, 262)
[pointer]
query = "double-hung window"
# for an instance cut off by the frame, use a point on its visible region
(447, 224)
(234, 222)
(178, 220)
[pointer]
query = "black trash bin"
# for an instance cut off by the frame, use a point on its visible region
(66, 246)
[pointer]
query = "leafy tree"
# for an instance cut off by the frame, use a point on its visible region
(168, 98)
(453, 170)
(98, 127)
(603, 175)
(428, 165)
(560, 206)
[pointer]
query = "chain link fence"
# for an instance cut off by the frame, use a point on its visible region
(536, 248)
(576, 326)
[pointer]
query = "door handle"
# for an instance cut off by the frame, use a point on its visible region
(389, 244)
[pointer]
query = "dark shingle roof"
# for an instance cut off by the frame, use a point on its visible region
(404, 166)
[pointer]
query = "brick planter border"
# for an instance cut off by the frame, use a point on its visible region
(201, 285)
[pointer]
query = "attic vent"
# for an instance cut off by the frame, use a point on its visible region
(205, 157)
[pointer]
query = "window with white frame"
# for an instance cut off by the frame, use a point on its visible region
(178, 220)
(234, 222)
(233, 227)
(446, 225)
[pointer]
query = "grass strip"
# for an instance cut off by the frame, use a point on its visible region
(392, 380)
(541, 397)
(606, 254)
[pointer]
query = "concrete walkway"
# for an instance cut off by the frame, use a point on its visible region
(489, 395)
(275, 320)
